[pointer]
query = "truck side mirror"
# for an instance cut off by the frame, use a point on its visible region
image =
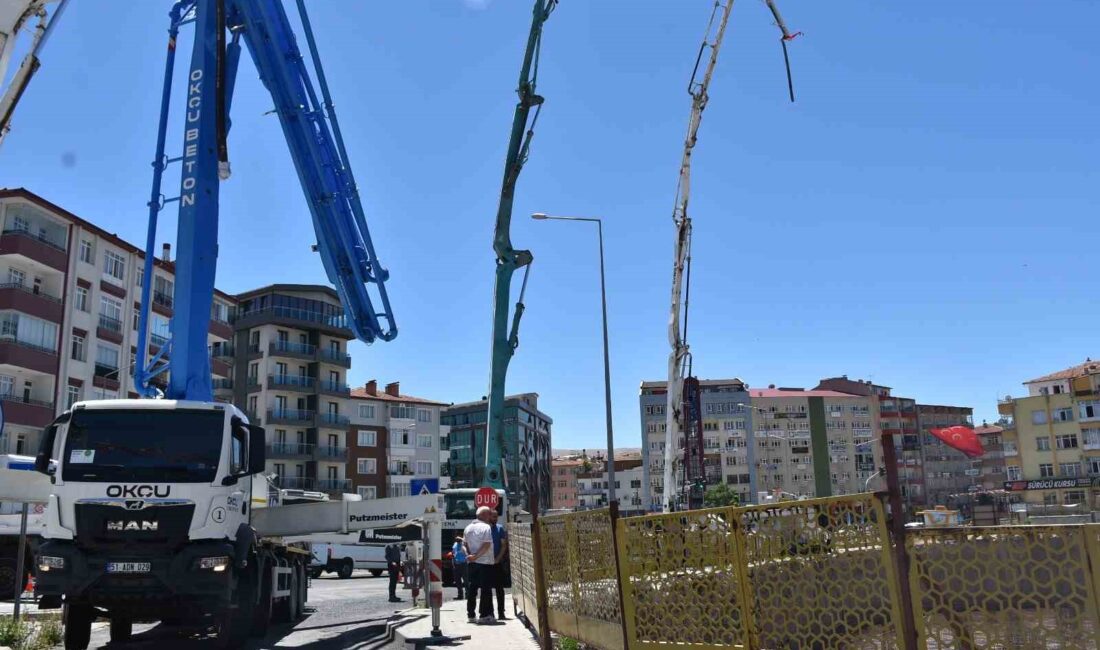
(257, 447)
(45, 447)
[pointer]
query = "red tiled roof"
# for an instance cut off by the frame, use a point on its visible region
(382, 396)
(1087, 368)
(989, 428)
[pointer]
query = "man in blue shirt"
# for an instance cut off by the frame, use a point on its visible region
(458, 566)
(500, 559)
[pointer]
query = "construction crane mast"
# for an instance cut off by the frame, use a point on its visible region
(682, 417)
(14, 16)
(509, 260)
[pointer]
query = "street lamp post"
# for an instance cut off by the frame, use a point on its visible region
(541, 216)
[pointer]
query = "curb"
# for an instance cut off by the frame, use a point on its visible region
(396, 621)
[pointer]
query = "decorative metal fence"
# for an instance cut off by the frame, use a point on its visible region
(815, 574)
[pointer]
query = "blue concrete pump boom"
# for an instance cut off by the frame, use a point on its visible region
(312, 132)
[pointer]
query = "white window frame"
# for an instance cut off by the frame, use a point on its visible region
(114, 265)
(81, 299)
(422, 437)
(371, 435)
(367, 492)
(365, 466)
(87, 252)
(72, 396)
(366, 411)
(422, 465)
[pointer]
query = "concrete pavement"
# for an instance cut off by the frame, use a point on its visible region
(509, 633)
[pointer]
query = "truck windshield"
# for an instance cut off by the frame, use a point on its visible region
(143, 445)
(459, 504)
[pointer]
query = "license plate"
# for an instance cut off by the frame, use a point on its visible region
(129, 567)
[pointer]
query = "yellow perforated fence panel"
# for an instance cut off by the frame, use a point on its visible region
(1006, 587)
(804, 574)
(683, 579)
(525, 592)
(582, 586)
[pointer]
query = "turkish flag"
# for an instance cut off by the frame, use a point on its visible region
(962, 438)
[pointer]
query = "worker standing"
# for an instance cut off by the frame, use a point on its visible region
(500, 561)
(458, 566)
(393, 562)
(479, 544)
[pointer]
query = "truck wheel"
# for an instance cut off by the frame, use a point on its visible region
(376, 572)
(261, 615)
(121, 630)
(78, 626)
(346, 567)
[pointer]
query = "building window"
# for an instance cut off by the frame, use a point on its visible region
(87, 255)
(1050, 498)
(425, 468)
(16, 277)
(1046, 470)
(1074, 496)
(1014, 473)
(398, 490)
(366, 411)
(367, 491)
(34, 332)
(366, 466)
(110, 308)
(1039, 417)
(78, 348)
(1069, 469)
(1089, 410)
(1063, 415)
(1067, 441)
(114, 265)
(1094, 466)
(423, 415)
(81, 299)
(406, 412)
(368, 438)
(1042, 444)
(7, 386)
(424, 441)
(72, 396)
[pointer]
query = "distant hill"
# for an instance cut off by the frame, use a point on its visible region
(620, 452)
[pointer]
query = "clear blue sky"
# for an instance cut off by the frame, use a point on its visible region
(925, 215)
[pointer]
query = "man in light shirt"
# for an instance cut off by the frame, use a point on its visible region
(480, 558)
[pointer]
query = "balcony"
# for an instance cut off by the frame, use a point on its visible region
(23, 410)
(289, 416)
(297, 483)
(292, 383)
(330, 453)
(335, 325)
(289, 450)
(27, 355)
(335, 357)
(221, 350)
(334, 484)
(334, 388)
(109, 328)
(292, 350)
(162, 299)
(34, 247)
(334, 420)
(223, 383)
(26, 299)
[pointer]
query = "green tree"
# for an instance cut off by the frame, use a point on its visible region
(720, 495)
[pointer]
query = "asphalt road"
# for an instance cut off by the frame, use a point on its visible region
(340, 614)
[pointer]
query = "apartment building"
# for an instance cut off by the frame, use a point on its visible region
(1052, 437)
(396, 438)
(69, 304)
(813, 442)
(727, 417)
(991, 466)
(527, 440)
(949, 475)
(290, 370)
(592, 487)
(564, 472)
